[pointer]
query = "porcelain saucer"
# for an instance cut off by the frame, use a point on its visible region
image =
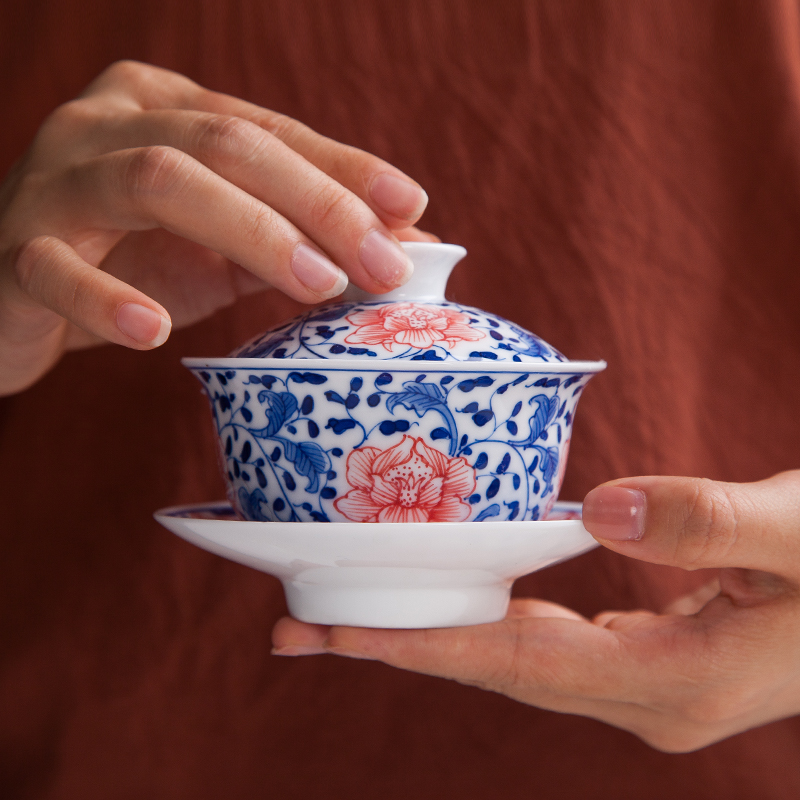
(418, 575)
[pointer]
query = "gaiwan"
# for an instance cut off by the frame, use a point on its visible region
(402, 407)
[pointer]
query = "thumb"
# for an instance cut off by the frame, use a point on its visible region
(695, 523)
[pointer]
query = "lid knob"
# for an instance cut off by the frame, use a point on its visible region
(433, 263)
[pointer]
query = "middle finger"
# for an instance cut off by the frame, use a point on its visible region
(244, 154)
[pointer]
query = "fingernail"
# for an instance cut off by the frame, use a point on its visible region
(615, 513)
(398, 196)
(142, 324)
(385, 260)
(316, 272)
(340, 651)
(298, 650)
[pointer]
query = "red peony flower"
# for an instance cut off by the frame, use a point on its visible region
(414, 324)
(410, 482)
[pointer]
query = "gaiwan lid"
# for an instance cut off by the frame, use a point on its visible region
(411, 323)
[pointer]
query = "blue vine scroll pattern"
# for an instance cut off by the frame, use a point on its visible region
(285, 434)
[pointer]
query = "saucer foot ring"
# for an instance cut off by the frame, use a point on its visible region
(388, 607)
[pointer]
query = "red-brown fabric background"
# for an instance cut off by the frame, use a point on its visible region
(626, 179)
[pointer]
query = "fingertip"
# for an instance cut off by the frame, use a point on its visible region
(384, 260)
(146, 327)
(290, 636)
(317, 273)
(615, 513)
(413, 234)
(165, 328)
(530, 608)
(398, 196)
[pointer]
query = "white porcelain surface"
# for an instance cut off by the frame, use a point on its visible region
(388, 575)
(401, 408)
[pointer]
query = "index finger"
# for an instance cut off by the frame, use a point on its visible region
(397, 199)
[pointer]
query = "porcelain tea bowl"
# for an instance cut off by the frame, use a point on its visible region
(395, 408)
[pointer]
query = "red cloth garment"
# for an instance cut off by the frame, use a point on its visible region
(626, 180)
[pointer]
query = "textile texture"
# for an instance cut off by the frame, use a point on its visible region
(626, 180)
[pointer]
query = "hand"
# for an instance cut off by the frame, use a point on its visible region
(148, 180)
(713, 664)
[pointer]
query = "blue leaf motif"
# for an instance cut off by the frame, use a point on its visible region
(483, 417)
(388, 426)
(334, 397)
(339, 426)
(419, 397)
(309, 459)
(549, 463)
(331, 314)
(469, 384)
(422, 397)
(253, 504)
(492, 511)
(546, 408)
(428, 355)
(278, 408)
(307, 377)
(531, 345)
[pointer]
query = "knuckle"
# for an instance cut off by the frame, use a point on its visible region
(279, 125)
(230, 136)
(683, 739)
(28, 263)
(125, 71)
(257, 226)
(503, 674)
(710, 524)
(70, 114)
(64, 124)
(331, 207)
(153, 170)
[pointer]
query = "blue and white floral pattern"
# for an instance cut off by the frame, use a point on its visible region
(285, 433)
(400, 332)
